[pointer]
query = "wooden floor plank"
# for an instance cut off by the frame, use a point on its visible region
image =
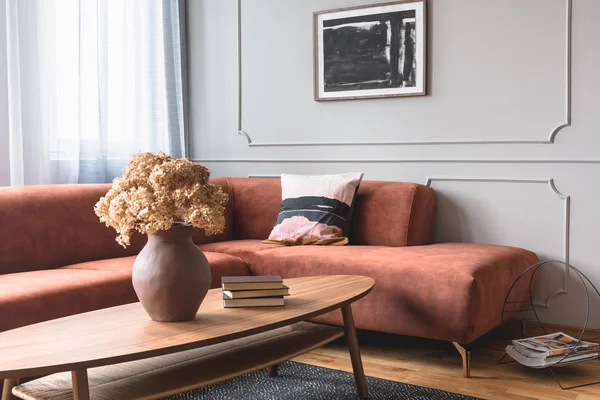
(437, 365)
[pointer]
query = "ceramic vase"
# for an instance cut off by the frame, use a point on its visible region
(171, 275)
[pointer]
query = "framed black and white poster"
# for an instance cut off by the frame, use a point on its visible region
(371, 51)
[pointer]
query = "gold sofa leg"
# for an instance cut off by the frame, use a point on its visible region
(466, 359)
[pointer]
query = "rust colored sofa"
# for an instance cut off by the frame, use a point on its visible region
(56, 259)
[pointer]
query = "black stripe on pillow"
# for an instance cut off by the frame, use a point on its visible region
(320, 203)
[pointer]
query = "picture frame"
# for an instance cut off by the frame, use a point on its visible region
(371, 51)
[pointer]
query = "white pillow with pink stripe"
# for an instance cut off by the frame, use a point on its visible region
(315, 209)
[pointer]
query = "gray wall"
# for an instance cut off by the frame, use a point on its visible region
(508, 136)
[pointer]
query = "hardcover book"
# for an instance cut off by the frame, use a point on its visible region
(251, 282)
(247, 294)
(257, 302)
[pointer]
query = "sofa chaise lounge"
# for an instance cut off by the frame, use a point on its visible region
(56, 259)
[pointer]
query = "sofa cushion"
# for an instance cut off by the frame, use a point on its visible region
(393, 214)
(449, 291)
(220, 265)
(36, 296)
(255, 204)
(385, 214)
(243, 249)
(200, 237)
(45, 227)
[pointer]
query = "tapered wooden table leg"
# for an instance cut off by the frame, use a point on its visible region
(81, 389)
(273, 370)
(357, 367)
(7, 388)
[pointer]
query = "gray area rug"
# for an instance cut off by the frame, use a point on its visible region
(307, 382)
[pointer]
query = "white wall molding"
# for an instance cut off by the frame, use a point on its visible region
(566, 220)
(401, 161)
(550, 139)
(568, 61)
(263, 176)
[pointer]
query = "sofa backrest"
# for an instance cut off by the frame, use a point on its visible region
(386, 213)
(43, 227)
(200, 237)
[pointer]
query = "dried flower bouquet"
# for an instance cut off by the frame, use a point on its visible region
(156, 192)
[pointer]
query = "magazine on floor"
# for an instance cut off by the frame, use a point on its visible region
(553, 344)
(553, 349)
(559, 360)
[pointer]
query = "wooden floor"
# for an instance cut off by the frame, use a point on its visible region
(437, 364)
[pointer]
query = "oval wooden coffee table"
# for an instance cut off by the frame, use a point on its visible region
(130, 356)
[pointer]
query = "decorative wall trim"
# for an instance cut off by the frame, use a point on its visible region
(399, 161)
(263, 176)
(239, 66)
(399, 143)
(550, 140)
(568, 59)
(566, 221)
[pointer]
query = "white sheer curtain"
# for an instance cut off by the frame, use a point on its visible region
(92, 82)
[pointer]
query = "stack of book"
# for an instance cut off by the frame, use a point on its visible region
(253, 291)
(554, 349)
